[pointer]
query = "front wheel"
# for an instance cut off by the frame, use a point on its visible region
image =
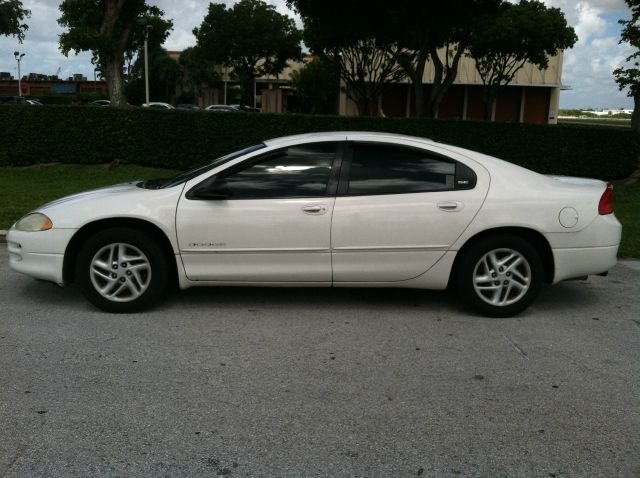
(500, 276)
(122, 270)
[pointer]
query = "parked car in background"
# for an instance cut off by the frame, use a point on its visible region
(248, 109)
(186, 106)
(220, 108)
(336, 209)
(13, 100)
(100, 103)
(158, 105)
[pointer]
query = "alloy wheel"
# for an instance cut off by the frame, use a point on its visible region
(120, 272)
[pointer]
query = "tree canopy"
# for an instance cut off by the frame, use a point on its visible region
(250, 37)
(317, 84)
(198, 71)
(519, 33)
(12, 17)
(111, 30)
(628, 76)
(164, 75)
(405, 34)
(361, 41)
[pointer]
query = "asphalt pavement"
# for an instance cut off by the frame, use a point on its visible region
(320, 382)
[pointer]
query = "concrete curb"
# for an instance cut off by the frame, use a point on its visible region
(630, 263)
(3, 237)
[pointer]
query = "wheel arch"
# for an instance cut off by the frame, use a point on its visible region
(91, 228)
(530, 235)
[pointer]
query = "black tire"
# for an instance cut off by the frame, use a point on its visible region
(155, 271)
(469, 267)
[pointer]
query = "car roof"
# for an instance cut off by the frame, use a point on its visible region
(331, 135)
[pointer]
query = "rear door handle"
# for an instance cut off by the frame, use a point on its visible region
(315, 209)
(450, 206)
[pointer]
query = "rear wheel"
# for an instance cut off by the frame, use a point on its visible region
(500, 276)
(122, 270)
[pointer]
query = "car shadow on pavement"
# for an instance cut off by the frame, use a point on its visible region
(566, 296)
(556, 299)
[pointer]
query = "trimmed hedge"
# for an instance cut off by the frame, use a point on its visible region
(183, 139)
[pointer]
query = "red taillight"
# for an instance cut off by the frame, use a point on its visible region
(606, 201)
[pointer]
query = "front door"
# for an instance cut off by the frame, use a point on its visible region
(271, 223)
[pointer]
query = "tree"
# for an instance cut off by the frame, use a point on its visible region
(367, 67)
(362, 41)
(409, 33)
(164, 75)
(12, 16)
(252, 38)
(520, 33)
(629, 78)
(197, 71)
(317, 84)
(111, 30)
(439, 32)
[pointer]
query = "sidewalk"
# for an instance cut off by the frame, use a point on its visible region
(631, 263)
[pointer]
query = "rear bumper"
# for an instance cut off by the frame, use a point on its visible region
(592, 250)
(574, 263)
(39, 254)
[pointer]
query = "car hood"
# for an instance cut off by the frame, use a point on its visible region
(120, 201)
(100, 193)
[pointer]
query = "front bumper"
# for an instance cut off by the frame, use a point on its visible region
(39, 254)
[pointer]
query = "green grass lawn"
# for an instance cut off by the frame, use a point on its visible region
(23, 189)
(626, 202)
(605, 122)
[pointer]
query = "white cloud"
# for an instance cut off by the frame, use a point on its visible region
(590, 22)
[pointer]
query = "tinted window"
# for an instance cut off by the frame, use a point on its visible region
(298, 171)
(186, 176)
(387, 169)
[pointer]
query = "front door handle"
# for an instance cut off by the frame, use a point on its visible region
(450, 206)
(315, 209)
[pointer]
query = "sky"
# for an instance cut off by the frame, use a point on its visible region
(587, 68)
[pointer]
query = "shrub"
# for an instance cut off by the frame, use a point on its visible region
(181, 139)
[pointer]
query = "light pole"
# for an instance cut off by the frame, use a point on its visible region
(19, 57)
(147, 29)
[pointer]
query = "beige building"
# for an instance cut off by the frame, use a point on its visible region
(532, 97)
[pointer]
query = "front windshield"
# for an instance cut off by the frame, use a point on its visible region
(186, 176)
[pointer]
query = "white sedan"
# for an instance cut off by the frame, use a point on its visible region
(340, 209)
(158, 105)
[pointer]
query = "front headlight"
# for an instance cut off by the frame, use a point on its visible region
(34, 222)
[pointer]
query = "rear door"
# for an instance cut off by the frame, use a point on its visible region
(399, 208)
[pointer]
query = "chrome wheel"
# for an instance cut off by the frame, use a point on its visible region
(120, 272)
(502, 277)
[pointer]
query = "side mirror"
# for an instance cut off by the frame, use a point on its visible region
(210, 190)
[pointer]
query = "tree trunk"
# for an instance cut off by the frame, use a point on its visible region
(489, 95)
(443, 79)
(246, 83)
(115, 84)
(364, 108)
(635, 117)
(434, 103)
(418, 86)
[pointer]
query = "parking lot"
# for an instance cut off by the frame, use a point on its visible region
(320, 382)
